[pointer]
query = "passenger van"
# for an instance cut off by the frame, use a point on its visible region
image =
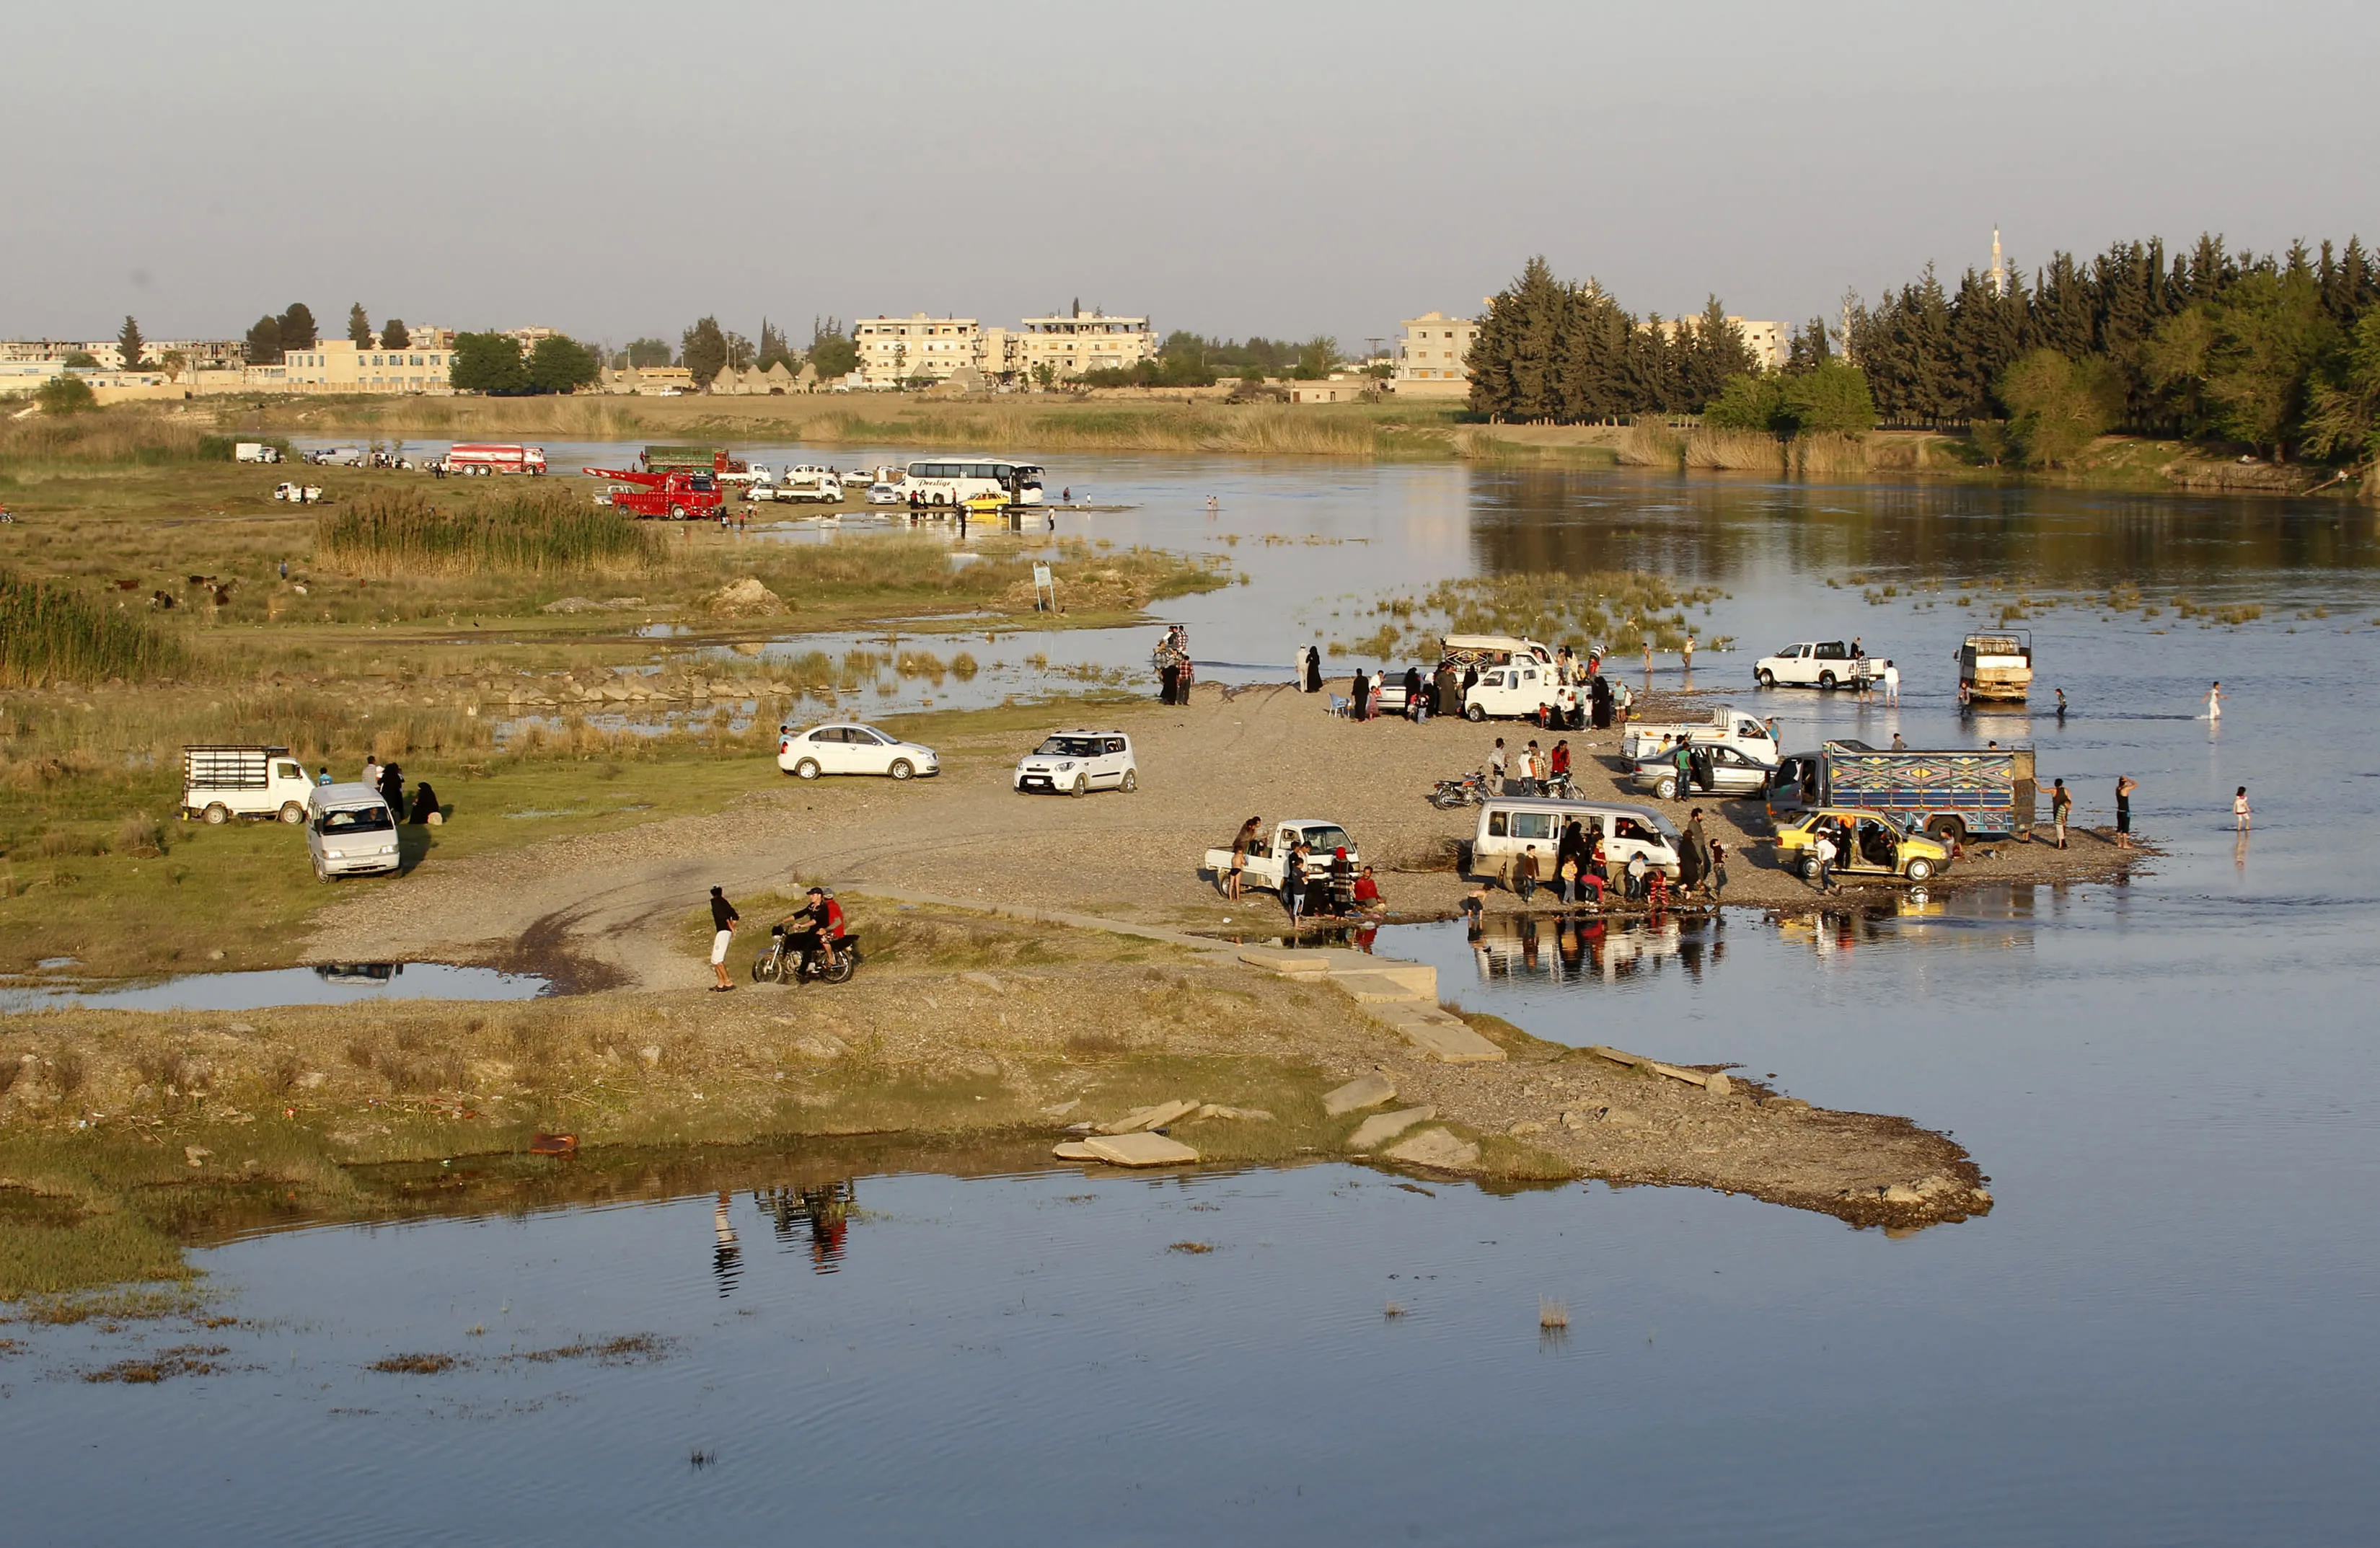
(1512, 824)
(350, 833)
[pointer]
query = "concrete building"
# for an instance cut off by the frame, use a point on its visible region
(895, 350)
(651, 381)
(1770, 342)
(1070, 343)
(1430, 356)
(343, 366)
(1338, 389)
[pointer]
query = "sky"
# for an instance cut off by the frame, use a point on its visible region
(1285, 168)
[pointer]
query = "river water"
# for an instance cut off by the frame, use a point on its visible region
(2165, 1331)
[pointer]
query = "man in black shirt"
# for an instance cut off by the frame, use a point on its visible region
(723, 930)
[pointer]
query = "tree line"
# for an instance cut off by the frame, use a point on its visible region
(1563, 350)
(2277, 352)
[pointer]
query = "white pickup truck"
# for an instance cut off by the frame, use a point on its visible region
(1815, 664)
(221, 784)
(1323, 839)
(808, 482)
(1728, 727)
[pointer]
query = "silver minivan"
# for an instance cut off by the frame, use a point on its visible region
(350, 833)
(1508, 824)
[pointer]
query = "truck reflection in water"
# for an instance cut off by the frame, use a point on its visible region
(357, 973)
(1995, 918)
(1571, 949)
(824, 1210)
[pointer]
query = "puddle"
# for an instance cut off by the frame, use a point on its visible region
(324, 984)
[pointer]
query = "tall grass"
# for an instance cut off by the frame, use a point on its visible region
(49, 631)
(545, 533)
(120, 436)
(1736, 451)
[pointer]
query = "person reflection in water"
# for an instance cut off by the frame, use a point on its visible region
(726, 1252)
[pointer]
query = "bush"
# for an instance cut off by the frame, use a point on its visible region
(2057, 406)
(65, 394)
(545, 534)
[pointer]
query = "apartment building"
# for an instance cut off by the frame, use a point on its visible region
(895, 350)
(343, 366)
(197, 354)
(1431, 355)
(1071, 343)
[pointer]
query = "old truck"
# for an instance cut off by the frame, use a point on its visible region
(255, 451)
(1954, 794)
(1727, 727)
(1262, 868)
(222, 782)
(1996, 665)
(693, 459)
(676, 495)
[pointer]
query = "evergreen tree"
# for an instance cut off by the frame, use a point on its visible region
(774, 350)
(393, 334)
(1712, 351)
(704, 349)
(642, 352)
(831, 350)
(360, 326)
(128, 346)
(2062, 308)
(264, 341)
(2343, 419)
(2270, 332)
(1809, 347)
(297, 328)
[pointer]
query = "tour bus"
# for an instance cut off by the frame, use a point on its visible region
(948, 481)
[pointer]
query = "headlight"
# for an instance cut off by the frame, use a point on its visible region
(334, 854)
(1066, 765)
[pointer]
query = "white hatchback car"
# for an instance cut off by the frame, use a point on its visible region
(1079, 762)
(848, 747)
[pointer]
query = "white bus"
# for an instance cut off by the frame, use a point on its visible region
(948, 481)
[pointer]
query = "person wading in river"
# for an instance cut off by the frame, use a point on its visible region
(2125, 785)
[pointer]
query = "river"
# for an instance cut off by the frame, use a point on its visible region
(2164, 1333)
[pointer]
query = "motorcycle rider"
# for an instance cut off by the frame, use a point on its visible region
(814, 930)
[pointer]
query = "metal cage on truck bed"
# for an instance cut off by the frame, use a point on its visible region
(246, 768)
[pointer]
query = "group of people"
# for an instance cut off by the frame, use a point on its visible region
(1533, 773)
(1175, 671)
(813, 931)
(1332, 888)
(1598, 702)
(389, 780)
(1580, 871)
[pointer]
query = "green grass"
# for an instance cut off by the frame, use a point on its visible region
(548, 532)
(49, 631)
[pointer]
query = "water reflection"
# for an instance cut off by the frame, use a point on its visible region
(824, 1212)
(1579, 949)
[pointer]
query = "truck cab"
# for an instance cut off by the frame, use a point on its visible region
(1322, 837)
(222, 782)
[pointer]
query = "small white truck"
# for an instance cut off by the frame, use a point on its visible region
(1262, 868)
(806, 482)
(255, 451)
(221, 784)
(1726, 727)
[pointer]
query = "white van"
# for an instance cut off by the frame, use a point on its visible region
(350, 833)
(1515, 690)
(1508, 825)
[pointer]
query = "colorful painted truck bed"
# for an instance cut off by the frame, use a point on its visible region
(1956, 794)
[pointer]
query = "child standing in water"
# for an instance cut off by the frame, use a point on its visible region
(2239, 813)
(2215, 701)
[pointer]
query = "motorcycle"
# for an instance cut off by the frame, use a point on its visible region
(1469, 790)
(782, 962)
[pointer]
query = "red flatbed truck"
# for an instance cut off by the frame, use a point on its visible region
(678, 495)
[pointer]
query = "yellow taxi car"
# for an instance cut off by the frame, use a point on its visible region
(1866, 844)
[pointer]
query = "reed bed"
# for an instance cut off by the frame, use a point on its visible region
(1736, 451)
(114, 437)
(50, 632)
(543, 533)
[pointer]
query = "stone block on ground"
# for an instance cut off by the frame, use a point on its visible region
(1140, 1150)
(1364, 1091)
(1244, 1115)
(1074, 1150)
(1154, 1116)
(1380, 1128)
(1438, 1150)
(1446, 1038)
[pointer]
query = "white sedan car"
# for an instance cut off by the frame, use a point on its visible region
(1079, 762)
(848, 747)
(886, 494)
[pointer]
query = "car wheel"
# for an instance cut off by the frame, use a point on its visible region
(1767, 678)
(1130, 782)
(320, 874)
(218, 814)
(1920, 869)
(1810, 867)
(1667, 789)
(1082, 786)
(901, 768)
(1827, 681)
(1475, 714)
(806, 770)
(291, 812)
(1947, 830)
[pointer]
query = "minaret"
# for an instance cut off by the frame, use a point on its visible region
(1999, 267)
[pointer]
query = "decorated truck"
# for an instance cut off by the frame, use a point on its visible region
(1954, 794)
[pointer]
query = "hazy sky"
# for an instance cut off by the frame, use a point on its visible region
(1276, 167)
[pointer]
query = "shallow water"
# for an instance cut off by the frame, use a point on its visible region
(327, 984)
(2165, 1331)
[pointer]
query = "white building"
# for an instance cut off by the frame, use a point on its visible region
(895, 350)
(1432, 355)
(1071, 343)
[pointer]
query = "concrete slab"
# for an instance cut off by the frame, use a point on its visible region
(1448, 1039)
(1364, 1091)
(1416, 979)
(1438, 1150)
(1278, 961)
(1155, 1117)
(1074, 1150)
(1375, 988)
(1380, 1128)
(1140, 1150)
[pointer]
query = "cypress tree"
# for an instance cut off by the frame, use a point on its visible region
(128, 345)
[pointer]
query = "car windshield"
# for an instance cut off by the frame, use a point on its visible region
(1325, 839)
(360, 819)
(1067, 747)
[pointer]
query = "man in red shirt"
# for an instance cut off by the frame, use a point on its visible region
(821, 926)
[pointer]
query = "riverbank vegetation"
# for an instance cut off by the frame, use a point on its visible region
(1613, 611)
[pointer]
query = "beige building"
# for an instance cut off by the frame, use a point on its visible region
(1431, 355)
(343, 366)
(1338, 389)
(651, 381)
(895, 350)
(1069, 345)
